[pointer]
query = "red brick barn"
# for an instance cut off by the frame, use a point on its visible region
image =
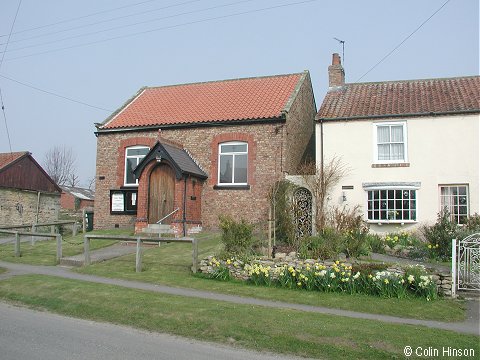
(76, 198)
(186, 154)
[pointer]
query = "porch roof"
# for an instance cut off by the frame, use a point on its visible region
(179, 159)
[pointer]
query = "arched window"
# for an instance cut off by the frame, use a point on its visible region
(233, 163)
(133, 155)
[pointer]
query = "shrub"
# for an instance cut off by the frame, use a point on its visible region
(355, 242)
(284, 226)
(438, 236)
(375, 243)
(237, 237)
(326, 245)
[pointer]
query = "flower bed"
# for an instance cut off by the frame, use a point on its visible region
(411, 281)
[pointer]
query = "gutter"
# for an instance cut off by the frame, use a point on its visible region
(432, 113)
(279, 119)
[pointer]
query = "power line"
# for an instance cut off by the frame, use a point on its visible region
(130, 25)
(78, 18)
(1, 63)
(54, 94)
(5, 119)
(104, 21)
(10, 34)
(403, 41)
(165, 28)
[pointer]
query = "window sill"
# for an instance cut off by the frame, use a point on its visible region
(390, 222)
(231, 187)
(389, 165)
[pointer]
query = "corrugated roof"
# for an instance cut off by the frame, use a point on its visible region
(81, 193)
(8, 158)
(364, 100)
(216, 101)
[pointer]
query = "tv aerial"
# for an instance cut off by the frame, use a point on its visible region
(343, 49)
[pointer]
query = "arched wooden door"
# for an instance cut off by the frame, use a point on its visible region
(161, 193)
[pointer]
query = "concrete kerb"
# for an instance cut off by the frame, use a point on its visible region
(470, 326)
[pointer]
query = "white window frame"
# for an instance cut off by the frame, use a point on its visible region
(387, 187)
(233, 183)
(138, 157)
(375, 142)
(454, 216)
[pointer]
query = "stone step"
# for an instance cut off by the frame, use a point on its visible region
(158, 229)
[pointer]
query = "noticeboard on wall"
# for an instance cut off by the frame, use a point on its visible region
(123, 201)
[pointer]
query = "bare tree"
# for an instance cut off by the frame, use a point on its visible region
(91, 183)
(60, 164)
(72, 180)
(320, 181)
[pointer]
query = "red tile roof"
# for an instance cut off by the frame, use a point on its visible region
(402, 98)
(8, 158)
(227, 100)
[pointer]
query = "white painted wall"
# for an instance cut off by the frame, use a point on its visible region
(441, 150)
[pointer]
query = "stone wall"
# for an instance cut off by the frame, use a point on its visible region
(19, 207)
(443, 280)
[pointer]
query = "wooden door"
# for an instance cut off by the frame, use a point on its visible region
(161, 194)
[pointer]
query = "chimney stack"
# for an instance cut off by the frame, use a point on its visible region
(336, 74)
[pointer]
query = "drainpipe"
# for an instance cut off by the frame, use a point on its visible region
(38, 208)
(184, 217)
(321, 145)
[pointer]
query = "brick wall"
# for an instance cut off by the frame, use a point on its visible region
(300, 126)
(67, 201)
(265, 145)
(274, 148)
(20, 207)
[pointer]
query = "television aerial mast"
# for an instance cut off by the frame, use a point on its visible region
(343, 49)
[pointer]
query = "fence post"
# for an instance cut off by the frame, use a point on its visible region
(34, 229)
(194, 255)
(84, 222)
(17, 244)
(454, 267)
(138, 258)
(74, 229)
(86, 249)
(59, 247)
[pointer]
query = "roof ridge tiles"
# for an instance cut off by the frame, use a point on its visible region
(225, 80)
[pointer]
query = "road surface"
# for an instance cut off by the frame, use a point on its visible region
(30, 334)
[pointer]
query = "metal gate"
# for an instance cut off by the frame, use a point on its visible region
(302, 199)
(466, 264)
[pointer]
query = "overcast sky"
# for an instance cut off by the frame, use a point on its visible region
(100, 52)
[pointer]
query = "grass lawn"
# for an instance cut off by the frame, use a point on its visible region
(44, 251)
(255, 327)
(170, 265)
(2, 270)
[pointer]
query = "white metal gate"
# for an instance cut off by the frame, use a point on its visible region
(466, 264)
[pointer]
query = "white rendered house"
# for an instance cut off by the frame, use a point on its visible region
(411, 147)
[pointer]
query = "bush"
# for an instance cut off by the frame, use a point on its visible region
(438, 236)
(375, 243)
(355, 242)
(284, 226)
(237, 237)
(326, 245)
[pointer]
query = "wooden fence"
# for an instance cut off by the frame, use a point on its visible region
(139, 253)
(54, 225)
(33, 234)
